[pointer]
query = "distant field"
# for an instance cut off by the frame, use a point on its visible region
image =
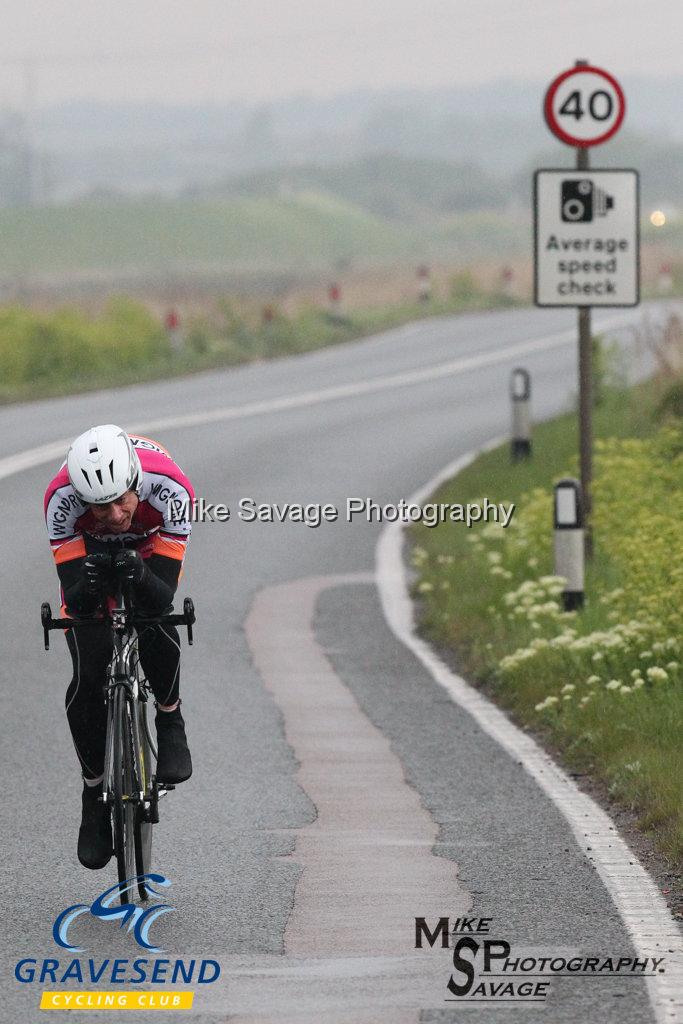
(172, 250)
(268, 233)
(159, 233)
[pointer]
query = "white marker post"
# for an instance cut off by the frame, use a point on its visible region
(334, 301)
(665, 281)
(424, 283)
(568, 521)
(507, 282)
(520, 396)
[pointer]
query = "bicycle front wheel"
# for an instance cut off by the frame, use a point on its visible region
(144, 819)
(125, 793)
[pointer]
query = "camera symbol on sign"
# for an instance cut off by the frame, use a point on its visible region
(581, 201)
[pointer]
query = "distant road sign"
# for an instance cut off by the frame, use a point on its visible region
(586, 238)
(584, 106)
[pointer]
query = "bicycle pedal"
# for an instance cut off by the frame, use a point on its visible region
(151, 814)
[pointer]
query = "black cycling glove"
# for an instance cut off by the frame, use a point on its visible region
(128, 566)
(153, 595)
(85, 582)
(96, 573)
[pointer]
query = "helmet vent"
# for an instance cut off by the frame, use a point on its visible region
(111, 470)
(98, 474)
(92, 450)
(87, 478)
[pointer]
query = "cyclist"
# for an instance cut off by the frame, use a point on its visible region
(108, 520)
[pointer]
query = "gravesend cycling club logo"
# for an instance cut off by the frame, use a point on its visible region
(139, 921)
(133, 920)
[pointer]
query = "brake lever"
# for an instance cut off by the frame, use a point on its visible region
(188, 609)
(46, 619)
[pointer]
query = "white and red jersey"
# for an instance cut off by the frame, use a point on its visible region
(160, 525)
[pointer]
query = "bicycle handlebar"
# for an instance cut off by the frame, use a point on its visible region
(187, 618)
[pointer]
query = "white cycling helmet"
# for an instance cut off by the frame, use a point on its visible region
(103, 464)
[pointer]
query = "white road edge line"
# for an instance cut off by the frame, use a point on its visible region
(39, 456)
(636, 897)
(631, 888)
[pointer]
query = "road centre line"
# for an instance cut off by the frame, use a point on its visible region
(640, 904)
(637, 898)
(42, 454)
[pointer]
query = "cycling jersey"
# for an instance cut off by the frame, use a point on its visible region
(159, 530)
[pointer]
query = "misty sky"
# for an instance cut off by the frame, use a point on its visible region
(215, 50)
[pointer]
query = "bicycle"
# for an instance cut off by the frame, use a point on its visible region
(130, 786)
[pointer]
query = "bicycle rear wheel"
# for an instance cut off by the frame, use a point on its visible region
(125, 793)
(145, 810)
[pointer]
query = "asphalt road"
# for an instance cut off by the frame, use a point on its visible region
(337, 793)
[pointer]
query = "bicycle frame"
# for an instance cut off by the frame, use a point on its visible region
(123, 672)
(129, 786)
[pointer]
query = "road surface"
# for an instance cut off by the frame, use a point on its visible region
(338, 792)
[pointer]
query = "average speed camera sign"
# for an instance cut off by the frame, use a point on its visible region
(584, 106)
(586, 238)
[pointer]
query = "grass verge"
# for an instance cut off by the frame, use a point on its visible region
(45, 354)
(604, 686)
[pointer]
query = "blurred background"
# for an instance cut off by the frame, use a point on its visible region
(229, 182)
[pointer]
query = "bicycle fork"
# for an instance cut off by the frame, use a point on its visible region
(123, 678)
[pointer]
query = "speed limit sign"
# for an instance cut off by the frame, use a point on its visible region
(584, 106)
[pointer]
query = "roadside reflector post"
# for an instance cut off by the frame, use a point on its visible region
(173, 330)
(568, 541)
(520, 396)
(424, 283)
(334, 301)
(665, 281)
(507, 285)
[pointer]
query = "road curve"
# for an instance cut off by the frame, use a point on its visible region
(265, 845)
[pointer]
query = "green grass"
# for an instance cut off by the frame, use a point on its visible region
(66, 351)
(630, 742)
(172, 234)
(299, 232)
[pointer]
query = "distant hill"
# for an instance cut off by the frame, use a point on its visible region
(163, 148)
(241, 237)
(424, 191)
(659, 163)
(202, 235)
(387, 185)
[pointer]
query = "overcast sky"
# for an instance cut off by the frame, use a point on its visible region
(198, 50)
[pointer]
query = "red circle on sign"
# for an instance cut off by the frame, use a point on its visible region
(557, 129)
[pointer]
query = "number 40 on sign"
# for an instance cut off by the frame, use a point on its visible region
(584, 106)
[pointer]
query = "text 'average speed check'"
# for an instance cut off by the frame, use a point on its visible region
(586, 238)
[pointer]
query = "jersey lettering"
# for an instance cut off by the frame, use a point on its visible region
(162, 482)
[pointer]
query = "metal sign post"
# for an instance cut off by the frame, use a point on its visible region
(584, 107)
(585, 397)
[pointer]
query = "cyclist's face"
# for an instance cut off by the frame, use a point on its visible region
(116, 515)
